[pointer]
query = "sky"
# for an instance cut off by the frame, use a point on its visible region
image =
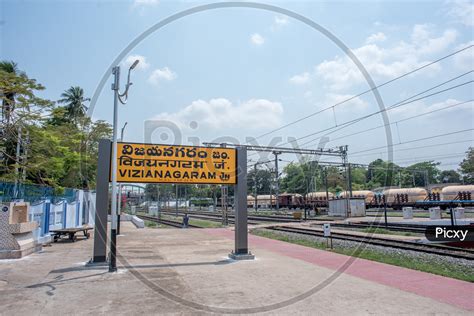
(234, 74)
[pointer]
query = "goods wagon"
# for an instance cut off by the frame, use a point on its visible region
(457, 192)
(367, 195)
(398, 198)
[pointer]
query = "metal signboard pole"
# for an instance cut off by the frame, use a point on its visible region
(241, 251)
(102, 202)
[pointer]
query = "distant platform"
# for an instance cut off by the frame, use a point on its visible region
(187, 271)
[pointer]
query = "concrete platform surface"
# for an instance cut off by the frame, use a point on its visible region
(187, 272)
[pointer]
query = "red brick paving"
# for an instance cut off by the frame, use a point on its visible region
(443, 289)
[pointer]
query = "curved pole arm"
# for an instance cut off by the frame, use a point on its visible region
(123, 97)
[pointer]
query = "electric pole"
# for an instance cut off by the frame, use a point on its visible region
(277, 183)
(255, 186)
(176, 200)
(348, 184)
(326, 183)
(225, 221)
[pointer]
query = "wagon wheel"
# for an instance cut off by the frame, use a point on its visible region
(72, 237)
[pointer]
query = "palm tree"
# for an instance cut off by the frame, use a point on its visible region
(73, 98)
(9, 66)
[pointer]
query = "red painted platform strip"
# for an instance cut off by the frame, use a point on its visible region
(443, 289)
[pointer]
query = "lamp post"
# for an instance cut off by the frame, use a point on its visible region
(122, 97)
(120, 187)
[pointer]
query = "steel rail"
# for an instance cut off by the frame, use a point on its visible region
(165, 221)
(384, 242)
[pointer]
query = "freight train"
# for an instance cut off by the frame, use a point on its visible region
(392, 198)
(285, 200)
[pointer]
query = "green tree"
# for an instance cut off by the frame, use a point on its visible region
(294, 180)
(74, 99)
(22, 110)
(466, 167)
(424, 173)
(152, 192)
(358, 176)
(449, 176)
(89, 150)
(336, 179)
(8, 100)
(406, 178)
(264, 179)
(54, 149)
(382, 173)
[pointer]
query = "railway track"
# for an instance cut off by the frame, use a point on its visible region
(253, 219)
(418, 229)
(208, 217)
(467, 254)
(164, 221)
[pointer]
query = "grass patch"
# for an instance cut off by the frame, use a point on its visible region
(265, 213)
(429, 265)
(179, 219)
(193, 221)
(151, 224)
(204, 223)
(376, 230)
(397, 214)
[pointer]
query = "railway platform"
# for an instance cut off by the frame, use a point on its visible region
(187, 271)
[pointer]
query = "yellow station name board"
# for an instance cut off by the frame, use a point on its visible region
(148, 163)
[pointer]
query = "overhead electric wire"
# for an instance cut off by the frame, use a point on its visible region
(399, 121)
(410, 148)
(452, 163)
(418, 147)
(393, 106)
(432, 157)
(392, 167)
(415, 140)
(364, 92)
(406, 101)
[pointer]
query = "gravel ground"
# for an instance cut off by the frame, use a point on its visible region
(419, 256)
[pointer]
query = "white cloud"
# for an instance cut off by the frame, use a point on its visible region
(420, 107)
(142, 3)
(164, 74)
(465, 59)
(279, 21)
(222, 114)
(377, 37)
(142, 65)
(257, 39)
(462, 11)
(354, 105)
(384, 63)
(448, 102)
(300, 79)
(426, 44)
